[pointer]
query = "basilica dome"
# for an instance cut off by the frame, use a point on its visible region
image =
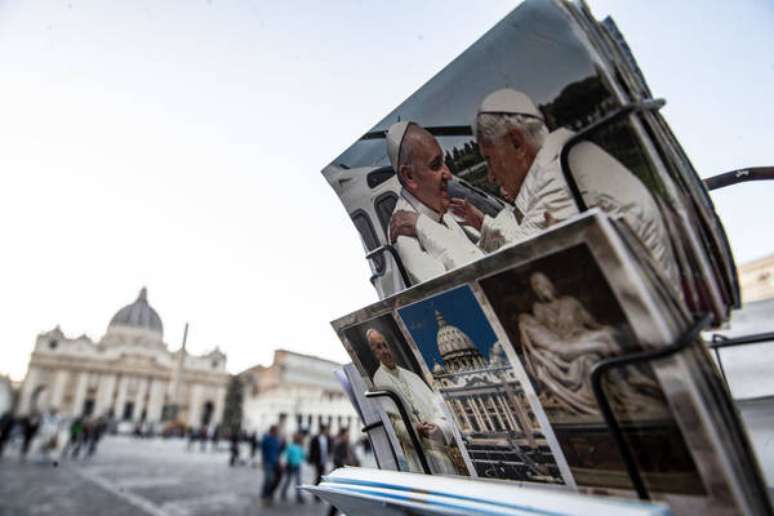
(450, 339)
(456, 349)
(138, 315)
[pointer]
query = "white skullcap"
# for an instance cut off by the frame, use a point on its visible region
(394, 141)
(509, 102)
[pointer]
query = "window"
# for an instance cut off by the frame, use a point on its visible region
(52, 344)
(384, 206)
(379, 176)
(366, 230)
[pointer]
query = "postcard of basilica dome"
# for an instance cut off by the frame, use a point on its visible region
(507, 343)
(488, 395)
(542, 118)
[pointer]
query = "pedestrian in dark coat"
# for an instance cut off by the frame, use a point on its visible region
(343, 455)
(30, 429)
(6, 425)
(320, 453)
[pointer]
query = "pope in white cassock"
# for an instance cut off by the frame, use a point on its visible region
(444, 245)
(423, 405)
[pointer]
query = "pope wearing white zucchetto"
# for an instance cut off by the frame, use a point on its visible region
(425, 408)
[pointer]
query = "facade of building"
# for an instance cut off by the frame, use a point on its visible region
(489, 405)
(128, 375)
(298, 391)
(756, 279)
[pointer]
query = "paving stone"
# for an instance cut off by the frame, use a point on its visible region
(136, 477)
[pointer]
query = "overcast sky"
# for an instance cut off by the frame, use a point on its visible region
(178, 145)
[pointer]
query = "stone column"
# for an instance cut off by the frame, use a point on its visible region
(80, 393)
(195, 406)
(488, 425)
(220, 401)
(30, 383)
(59, 387)
(518, 411)
(462, 415)
(156, 399)
(476, 413)
(497, 413)
(107, 384)
(123, 387)
(512, 424)
(139, 399)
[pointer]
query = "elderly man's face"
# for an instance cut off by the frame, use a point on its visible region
(426, 176)
(509, 158)
(381, 349)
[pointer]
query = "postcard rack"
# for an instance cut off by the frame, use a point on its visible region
(719, 342)
(598, 373)
(406, 421)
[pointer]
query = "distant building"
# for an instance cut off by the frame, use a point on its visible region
(299, 391)
(756, 279)
(128, 375)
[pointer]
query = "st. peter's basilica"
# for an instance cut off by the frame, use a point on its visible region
(129, 374)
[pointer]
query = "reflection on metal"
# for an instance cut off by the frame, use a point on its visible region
(598, 373)
(582, 135)
(739, 176)
(406, 421)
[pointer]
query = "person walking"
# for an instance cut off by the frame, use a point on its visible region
(320, 451)
(343, 455)
(98, 430)
(192, 436)
(270, 450)
(253, 447)
(73, 445)
(294, 458)
(6, 426)
(48, 437)
(234, 439)
(279, 468)
(203, 438)
(30, 429)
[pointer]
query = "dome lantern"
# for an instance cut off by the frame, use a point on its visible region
(455, 347)
(138, 316)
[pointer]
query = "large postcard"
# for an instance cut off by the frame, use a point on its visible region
(562, 318)
(520, 132)
(481, 387)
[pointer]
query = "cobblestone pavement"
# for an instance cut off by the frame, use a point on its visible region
(129, 477)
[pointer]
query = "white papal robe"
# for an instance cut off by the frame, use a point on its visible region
(424, 406)
(441, 244)
(603, 181)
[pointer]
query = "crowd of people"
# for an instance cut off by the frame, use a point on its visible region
(50, 437)
(282, 460)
